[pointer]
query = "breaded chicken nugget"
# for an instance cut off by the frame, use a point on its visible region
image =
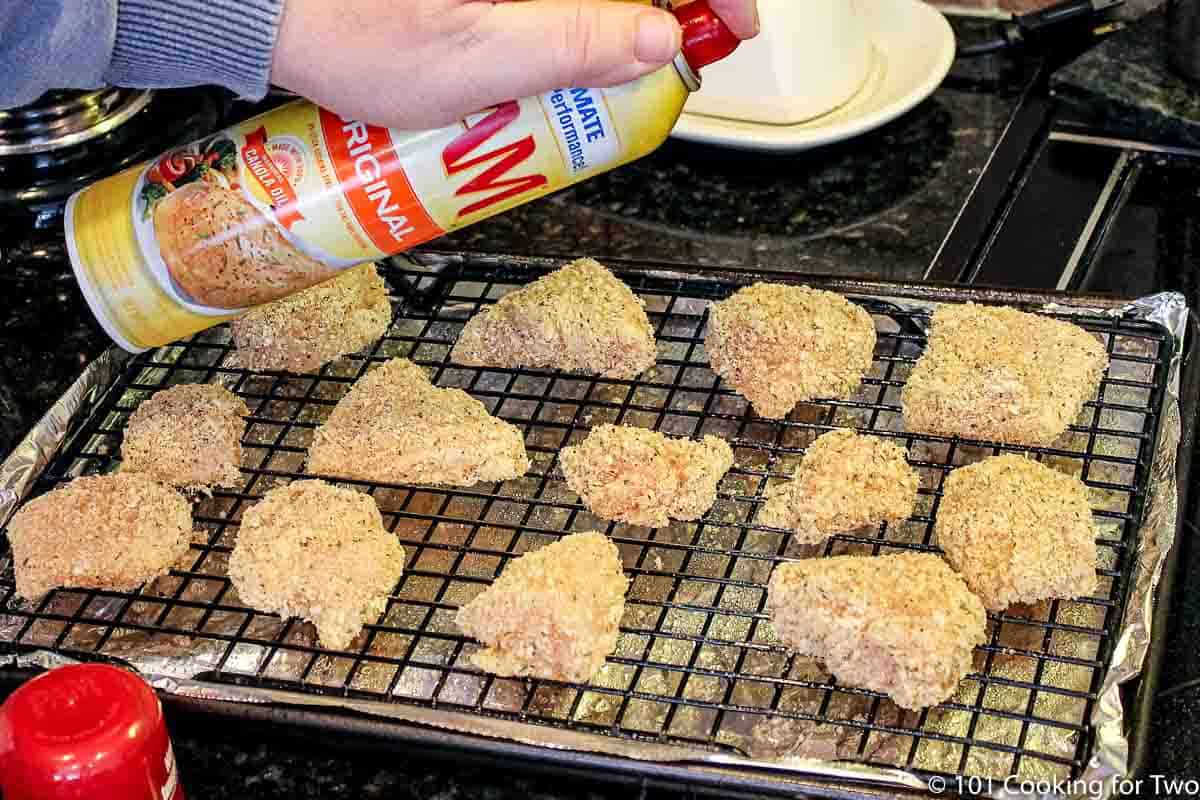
(645, 478)
(305, 331)
(394, 426)
(903, 624)
(189, 436)
(845, 481)
(1018, 531)
(1001, 375)
(553, 613)
(781, 345)
(318, 552)
(578, 319)
(101, 532)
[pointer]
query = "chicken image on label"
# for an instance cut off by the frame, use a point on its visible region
(286, 200)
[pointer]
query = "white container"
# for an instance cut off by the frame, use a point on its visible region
(811, 57)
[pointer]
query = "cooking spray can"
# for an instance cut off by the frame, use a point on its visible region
(283, 201)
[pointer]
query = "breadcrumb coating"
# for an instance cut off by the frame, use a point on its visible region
(781, 345)
(845, 481)
(111, 532)
(1018, 531)
(189, 436)
(643, 477)
(580, 318)
(318, 552)
(553, 613)
(1001, 375)
(307, 330)
(902, 624)
(394, 426)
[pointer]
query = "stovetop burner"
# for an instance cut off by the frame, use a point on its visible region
(64, 119)
(66, 140)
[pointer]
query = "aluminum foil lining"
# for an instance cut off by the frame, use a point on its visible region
(802, 752)
(30, 457)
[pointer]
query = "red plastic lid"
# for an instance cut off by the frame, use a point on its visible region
(88, 731)
(705, 37)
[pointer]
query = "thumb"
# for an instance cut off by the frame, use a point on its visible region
(536, 45)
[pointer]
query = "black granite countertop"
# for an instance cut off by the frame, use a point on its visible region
(1127, 87)
(878, 206)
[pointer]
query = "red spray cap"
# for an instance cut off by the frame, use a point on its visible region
(705, 37)
(86, 732)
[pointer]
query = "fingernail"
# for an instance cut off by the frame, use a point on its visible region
(657, 38)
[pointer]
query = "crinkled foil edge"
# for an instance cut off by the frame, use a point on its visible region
(1110, 756)
(32, 455)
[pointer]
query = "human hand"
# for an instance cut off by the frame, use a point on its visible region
(422, 63)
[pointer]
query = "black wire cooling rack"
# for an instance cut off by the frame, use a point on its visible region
(697, 664)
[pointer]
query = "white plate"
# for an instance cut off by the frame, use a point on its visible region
(913, 50)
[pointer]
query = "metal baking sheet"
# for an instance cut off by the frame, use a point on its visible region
(698, 679)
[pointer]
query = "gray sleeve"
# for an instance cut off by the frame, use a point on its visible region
(84, 44)
(53, 44)
(162, 43)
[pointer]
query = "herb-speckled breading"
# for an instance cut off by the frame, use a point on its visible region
(780, 345)
(1001, 375)
(111, 532)
(395, 426)
(845, 481)
(553, 613)
(644, 477)
(1018, 531)
(307, 330)
(318, 552)
(189, 436)
(580, 318)
(902, 624)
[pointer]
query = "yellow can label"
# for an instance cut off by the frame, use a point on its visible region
(285, 200)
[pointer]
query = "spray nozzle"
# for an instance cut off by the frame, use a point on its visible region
(706, 39)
